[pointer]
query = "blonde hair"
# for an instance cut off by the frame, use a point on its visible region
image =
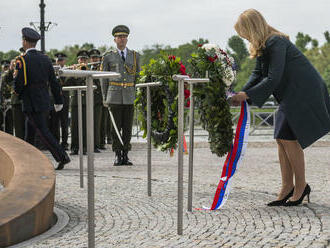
(251, 25)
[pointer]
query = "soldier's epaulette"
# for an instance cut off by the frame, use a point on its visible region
(109, 52)
(18, 60)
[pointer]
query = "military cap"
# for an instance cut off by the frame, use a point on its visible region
(94, 53)
(82, 54)
(30, 34)
(120, 30)
(60, 56)
(5, 62)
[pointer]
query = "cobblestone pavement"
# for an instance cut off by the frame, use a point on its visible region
(127, 217)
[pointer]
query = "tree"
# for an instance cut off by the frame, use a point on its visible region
(302, 41)
(244, 73)
(327, 36)
(240, 52)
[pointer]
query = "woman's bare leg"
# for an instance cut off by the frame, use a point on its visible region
(295, 155)
(286, 171)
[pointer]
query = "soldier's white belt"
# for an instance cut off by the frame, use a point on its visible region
(122, 84)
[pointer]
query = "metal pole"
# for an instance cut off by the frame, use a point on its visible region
(191, 148)
(149, 138)
(80, 135)
(42, 25)
(180, 153)
(90, 162)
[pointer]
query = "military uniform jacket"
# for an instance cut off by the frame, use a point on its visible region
(34, 75)
(98, 98)
(285, 72)
(72, 81)
(129, 70)
(6, 85)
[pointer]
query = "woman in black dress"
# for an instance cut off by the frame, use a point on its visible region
(304, 113)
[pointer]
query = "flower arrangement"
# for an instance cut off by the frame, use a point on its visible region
(164, 100)
(213, 62)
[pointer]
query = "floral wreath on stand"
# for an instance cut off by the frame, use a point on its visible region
(210, 99)
(164, 116)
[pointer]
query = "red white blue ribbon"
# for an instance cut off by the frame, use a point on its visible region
(234, 158)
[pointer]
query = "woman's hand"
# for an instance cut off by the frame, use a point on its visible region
(238, 98)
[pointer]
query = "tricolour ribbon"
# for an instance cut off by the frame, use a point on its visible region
(234, 158)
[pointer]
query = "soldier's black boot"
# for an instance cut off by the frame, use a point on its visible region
(118, 159)
(126, 160)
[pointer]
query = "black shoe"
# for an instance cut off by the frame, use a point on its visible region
(125, 159)
(109, 141)
(118, 159)
(307, 191)
(74, 152)
(280, 202)
(65, 161)
(96, 150)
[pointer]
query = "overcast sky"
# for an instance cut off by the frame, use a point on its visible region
(167, 22)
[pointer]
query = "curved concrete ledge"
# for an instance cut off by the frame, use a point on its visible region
(27, 201)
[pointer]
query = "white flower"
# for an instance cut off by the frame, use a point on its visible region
(209, 46)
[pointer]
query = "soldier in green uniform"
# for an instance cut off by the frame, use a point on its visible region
(6, 118)
(119, 94)
(82, 57)
(95, 59)
(64, 113)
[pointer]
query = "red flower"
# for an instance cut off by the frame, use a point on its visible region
(212, 59)
(182, 69)
(186, 97)
(200, 45)
(171, 57)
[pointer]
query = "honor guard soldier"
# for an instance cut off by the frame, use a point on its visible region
(82, 57)
(33, 76)
(95, 64)
(64, 113)
(119, 94)
(6, 115)
(16, 105)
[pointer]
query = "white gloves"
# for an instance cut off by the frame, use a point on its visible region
(58, 107)
(105, 104)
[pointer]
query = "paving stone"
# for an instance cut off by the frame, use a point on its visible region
(126, 217)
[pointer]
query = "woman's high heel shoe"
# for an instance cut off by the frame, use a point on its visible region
(307, 191)
(280, 202)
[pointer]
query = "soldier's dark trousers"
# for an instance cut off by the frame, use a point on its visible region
(74, 128)
(36, 123)
(19, 121)
(97, 125)
(54, 124)
(64, 122)
(123, 115)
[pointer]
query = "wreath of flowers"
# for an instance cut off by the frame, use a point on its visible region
(164, 116)
(214, 110)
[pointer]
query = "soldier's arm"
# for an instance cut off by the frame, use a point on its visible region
(104, 82)
(19, 78)
(55, 86)
(138, 67)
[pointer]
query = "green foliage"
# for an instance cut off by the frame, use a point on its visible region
(183, 51)
(320, 58)
(302, 40)
(327, 36)
(239, 50)
(244, 73)
(211, 101)
(164, 100)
